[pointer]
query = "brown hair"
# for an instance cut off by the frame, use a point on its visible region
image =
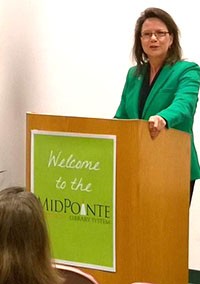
(174, 52)
(24, 244)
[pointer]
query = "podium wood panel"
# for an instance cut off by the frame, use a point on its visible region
(152, 197)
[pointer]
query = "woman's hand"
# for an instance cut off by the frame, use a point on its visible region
(156, 124)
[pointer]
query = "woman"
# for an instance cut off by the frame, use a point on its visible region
(162, 88)
(24, 244)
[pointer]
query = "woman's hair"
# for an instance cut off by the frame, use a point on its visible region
(174, 52)
(25, 256)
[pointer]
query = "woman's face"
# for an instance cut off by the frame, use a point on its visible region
(155, 39)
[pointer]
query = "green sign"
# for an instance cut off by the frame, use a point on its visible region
(74, 177)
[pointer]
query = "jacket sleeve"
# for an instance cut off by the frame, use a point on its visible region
(121, 110)
(185, 100)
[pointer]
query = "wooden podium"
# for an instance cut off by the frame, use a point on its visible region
(152, 197)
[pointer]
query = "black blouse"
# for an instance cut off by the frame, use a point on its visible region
(146, 88)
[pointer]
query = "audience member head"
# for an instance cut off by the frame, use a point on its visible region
(25, 255)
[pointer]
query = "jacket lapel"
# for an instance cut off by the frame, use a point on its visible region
(165, 73)
(135, 102)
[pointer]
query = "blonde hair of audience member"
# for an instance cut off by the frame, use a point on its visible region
(25, 256)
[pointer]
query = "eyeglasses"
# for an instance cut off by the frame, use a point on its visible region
(158, 35)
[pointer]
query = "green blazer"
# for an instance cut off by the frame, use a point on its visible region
(173, 96)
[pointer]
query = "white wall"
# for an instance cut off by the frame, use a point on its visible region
(71, 58)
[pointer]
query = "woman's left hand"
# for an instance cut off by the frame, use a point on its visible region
(156, 124)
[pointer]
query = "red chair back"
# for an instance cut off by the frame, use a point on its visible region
(73, 275)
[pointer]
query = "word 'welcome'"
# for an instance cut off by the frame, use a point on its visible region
(70, 162)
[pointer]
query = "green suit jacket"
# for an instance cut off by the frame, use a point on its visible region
(173, 96)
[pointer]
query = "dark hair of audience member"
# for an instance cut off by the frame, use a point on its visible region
(25, 255)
